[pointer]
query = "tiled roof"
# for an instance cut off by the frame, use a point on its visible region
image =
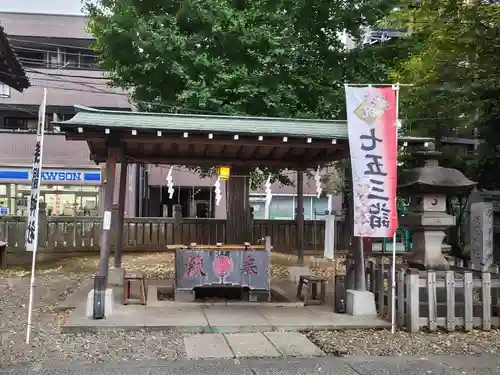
(319, 129)
(11, 71)
(271, 126)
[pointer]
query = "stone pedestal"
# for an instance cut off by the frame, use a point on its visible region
(427, 250)
(108, 303)
(294, 273)
(329, 237)
(115, 276)
(427, 221)
(360, 303)
(181, 295)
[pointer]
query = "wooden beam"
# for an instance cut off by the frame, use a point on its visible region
(217, 140)
(291, 159)
(324, 159)
(208, 161)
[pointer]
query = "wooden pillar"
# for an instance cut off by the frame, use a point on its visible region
(121, 214)
(105, 243)
(239, 215)
(299, 218)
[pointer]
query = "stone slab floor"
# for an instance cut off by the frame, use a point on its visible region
(197, 318)
(250, 345)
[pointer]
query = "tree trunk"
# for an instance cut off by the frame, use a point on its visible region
(239, 216)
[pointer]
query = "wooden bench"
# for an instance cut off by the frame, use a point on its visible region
(311, 284)
(127, 283)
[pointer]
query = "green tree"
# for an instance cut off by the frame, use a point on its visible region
(262, 57)
(455, 72)
(454, 66)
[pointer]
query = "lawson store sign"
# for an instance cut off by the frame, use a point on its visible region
(52, 175)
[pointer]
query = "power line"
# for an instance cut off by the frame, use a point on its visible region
(175, 107)
(102, 91)
(79, 90)
(85, 84)
(97, 90)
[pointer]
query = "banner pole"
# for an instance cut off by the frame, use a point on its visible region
(41, 131)
(393, 295)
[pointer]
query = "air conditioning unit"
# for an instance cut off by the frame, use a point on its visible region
(55, 128)
(4, 91)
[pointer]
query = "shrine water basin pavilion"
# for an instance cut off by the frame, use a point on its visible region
(207, 140)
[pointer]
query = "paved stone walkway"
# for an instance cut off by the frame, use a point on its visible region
(488, 365)
(250, 345)
(216, 318)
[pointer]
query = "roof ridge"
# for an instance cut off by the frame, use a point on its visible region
(80, 108)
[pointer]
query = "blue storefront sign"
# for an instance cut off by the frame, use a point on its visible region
(4, 211)
(52, 175)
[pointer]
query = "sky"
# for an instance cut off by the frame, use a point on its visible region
(38, 6)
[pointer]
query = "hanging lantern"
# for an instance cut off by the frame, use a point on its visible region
(224, 172)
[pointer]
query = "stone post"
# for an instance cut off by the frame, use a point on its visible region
(481, 235)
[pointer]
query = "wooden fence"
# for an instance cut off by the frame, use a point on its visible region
(63, 234)
(460, 297)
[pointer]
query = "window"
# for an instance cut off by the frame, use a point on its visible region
(55, 59)
(15, 123)
(88, 60)
(72, 58)
(282, 208)
(258, 204)
(319, 208)
(34, 59)
(67, 200)
(20, 123)
(80, 58)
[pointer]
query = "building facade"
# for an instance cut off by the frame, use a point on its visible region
(55, 52)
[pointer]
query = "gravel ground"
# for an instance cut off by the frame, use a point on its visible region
(382, 343)
(55, 281)
(58, 280)
(49, 346)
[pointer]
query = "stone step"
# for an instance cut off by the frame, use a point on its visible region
(250, 345)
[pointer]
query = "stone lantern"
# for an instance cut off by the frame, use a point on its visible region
(427, 219)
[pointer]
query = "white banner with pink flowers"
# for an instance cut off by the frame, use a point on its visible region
(371, 120)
